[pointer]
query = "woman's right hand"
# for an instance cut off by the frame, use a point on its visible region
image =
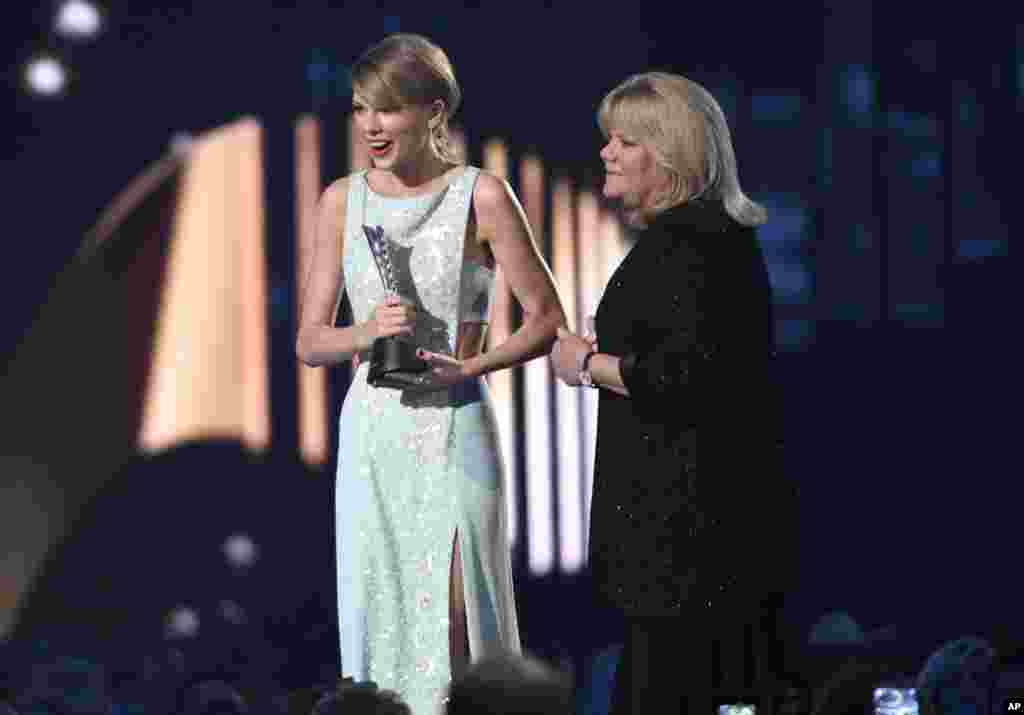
(591, 336)
(392, 317)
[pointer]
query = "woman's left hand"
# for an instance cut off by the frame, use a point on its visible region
(444, 369)
(567, 356)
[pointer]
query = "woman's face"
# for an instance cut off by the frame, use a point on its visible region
(631, 173)
(397, 137)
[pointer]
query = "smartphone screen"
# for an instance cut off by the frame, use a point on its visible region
(737, 709)
(895, 701)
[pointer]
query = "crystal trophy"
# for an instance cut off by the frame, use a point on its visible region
(393, 361)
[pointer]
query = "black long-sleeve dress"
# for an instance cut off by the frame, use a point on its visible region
(689, 312)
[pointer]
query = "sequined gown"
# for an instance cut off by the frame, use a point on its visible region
(413, 468)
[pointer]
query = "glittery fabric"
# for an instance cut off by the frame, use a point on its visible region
(413, 467)
(689, 312)
(477, 291)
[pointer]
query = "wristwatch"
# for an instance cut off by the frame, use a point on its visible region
(585, 377)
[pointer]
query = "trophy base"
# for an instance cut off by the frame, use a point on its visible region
(393, 363)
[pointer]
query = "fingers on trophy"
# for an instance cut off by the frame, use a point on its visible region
(394, 362)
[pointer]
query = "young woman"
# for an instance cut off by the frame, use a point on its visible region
(424, 579)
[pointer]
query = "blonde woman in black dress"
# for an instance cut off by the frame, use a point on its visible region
(680, 543)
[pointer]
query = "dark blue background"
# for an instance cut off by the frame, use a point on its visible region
(881, 137)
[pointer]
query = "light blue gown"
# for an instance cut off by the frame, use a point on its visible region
(414, 467)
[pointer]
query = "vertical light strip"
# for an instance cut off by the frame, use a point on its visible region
(312, 381)
(568, 400)
(501, 383)
(537, 402)
(589, 288)
(209, 373)
(613, 244)
(247, 149)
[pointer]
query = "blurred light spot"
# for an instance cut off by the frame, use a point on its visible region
(787, 218)
(240, 550)
(77, 18)
(790, 281)
(45, 75)
(280, 302)
(775, 107)
(979, 247)
(926, 166)
(343, 80)
(860, 91)
(911, 124)
(793, 333)
(182, 622)
(318, 70)
(232, 612)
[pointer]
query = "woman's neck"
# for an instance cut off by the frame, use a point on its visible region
(418, 174)
(639, 217)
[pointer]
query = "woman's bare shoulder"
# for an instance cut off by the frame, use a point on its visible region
(490, 187)
(336, 193)
(492, 195)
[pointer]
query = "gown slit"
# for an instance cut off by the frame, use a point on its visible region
(458, 635)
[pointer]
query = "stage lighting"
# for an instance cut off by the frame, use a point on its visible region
(182, 622)
(240, 550)
(79, 19)
(45, 75)
(232, 612)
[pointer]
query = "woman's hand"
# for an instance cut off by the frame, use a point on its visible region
(444, 369)
(568, 353)
(392, 317)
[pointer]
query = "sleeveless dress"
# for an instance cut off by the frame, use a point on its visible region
(415, 466)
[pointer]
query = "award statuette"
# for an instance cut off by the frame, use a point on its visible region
(393, 362)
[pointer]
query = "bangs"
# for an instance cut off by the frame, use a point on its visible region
(372, 86)
(395, 82)
(631, 110)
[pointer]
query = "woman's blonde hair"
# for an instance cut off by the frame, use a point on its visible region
(405, 69)
(686, 130)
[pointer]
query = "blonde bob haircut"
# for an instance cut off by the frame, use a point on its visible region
(405, 69)
(683, 126)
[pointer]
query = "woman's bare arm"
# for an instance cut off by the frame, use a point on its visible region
(318, 342)
(567, 360)
(503, 224)
(604, 370)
